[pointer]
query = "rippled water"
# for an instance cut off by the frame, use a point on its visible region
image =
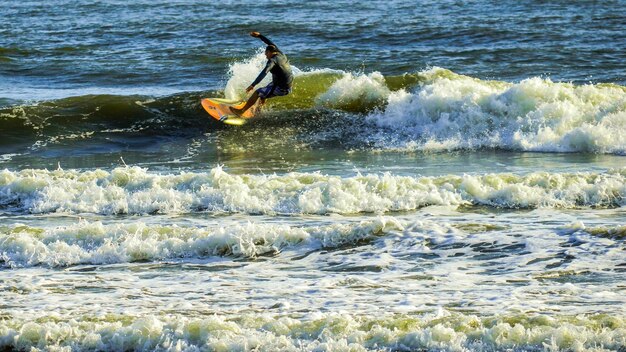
(444, 176)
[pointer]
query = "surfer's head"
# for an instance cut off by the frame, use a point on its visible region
(270, 51)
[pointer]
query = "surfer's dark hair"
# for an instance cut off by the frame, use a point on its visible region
(271, 48)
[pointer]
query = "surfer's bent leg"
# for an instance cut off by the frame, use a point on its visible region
(263, 93)
(249, 103)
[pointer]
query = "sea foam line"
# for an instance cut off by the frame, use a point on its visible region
(320, 332)
(133, 190)
(96, 243)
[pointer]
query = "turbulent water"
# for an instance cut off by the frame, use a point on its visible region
(446, 176)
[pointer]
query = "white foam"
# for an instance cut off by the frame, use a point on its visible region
(133, 190)
(355, 92)
(319, 331)
(450, 111)
(241, 74)
(8, 157)
(602, 231)
(95, 243)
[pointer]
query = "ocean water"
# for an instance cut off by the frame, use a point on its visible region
(445, 176)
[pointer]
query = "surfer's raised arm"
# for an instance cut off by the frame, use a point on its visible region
(264, 39)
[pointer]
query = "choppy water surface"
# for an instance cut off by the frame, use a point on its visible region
(445, 176)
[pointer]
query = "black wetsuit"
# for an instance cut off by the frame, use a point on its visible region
(278, 65)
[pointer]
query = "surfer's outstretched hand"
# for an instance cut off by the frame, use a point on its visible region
(255, 34)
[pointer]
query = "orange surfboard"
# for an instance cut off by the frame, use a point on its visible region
(219, 109)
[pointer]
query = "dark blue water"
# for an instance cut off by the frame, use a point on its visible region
(188, 45)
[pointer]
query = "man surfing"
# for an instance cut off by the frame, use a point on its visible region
(282, 77)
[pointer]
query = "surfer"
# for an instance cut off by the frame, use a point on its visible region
(282, 77)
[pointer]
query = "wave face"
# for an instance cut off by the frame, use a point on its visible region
(133, 190)
(58, 119)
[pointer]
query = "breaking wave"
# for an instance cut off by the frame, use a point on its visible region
(451, 111)
(134, 190)
(434, 109)
(95, 243)
(445, 331)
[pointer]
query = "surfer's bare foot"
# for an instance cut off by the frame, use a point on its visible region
(236, 111)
